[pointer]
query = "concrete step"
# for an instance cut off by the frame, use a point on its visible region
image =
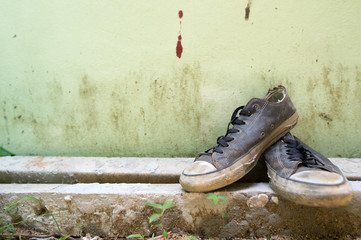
(120, 209)
(108, 196)
(25, 169)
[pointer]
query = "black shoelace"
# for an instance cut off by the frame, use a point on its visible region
(297, 152)
(222, 140)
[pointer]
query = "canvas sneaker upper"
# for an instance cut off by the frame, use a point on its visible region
(301, 174)
(252, 129)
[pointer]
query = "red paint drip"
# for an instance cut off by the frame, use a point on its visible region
(179, 48)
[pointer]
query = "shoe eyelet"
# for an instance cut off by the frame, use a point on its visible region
(272, 126)
(256, 106)
(262, 134)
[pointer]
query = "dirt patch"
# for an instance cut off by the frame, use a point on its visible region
(33, 235)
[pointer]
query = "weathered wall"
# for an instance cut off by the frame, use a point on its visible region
(103, 78)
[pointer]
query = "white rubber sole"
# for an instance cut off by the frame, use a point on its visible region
(223, 177)
(316, 195)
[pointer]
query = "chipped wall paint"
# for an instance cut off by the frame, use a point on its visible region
(101, 78)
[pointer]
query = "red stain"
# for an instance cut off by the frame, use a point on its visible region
(179, 48)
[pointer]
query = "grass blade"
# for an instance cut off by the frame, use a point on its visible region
(355, 213)
(12, 228)
(57, 225)
(4, 153)
(11, 206)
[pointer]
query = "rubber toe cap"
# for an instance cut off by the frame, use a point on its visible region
(199, 167)
(318, 177)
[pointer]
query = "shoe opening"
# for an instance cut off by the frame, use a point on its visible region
(277, 94)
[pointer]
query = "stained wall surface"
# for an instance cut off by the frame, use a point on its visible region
(113, 78)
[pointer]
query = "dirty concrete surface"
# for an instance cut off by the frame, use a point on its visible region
(120, 210)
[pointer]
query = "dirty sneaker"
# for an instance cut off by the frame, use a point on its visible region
(302, 175)
(255, 127)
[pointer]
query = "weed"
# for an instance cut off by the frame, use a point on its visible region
(155, 216)
(354, 212)
(136, 236)
(4, 153)
(13, 209)
(220, 200)
(190, 237)
(64, 237)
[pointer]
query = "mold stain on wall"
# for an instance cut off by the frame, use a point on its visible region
(88, 101)
(324, 100)
(5, 130)
(55, 119)
(151, 114)
(247, 10)
(327, 118)
(155, 113)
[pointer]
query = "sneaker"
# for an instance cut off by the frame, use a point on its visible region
(255, 127)
(302, 175)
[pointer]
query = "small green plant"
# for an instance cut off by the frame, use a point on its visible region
(220, 200)
(136, 236)
(190, 237)
(4, 153)
(354, 212)
(155, 216)
(13, 209)
(64, 237)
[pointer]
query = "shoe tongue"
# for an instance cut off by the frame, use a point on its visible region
(276, 94)
(206, 157)
(289, 136)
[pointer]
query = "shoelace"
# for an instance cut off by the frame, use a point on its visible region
(222, 140)
(297, 152)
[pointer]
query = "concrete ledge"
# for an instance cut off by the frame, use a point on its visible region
(120, 210)
(108, 196)
(24, 169)
(351, 167)
(69, 170)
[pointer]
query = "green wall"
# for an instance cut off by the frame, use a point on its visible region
(101, 78)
